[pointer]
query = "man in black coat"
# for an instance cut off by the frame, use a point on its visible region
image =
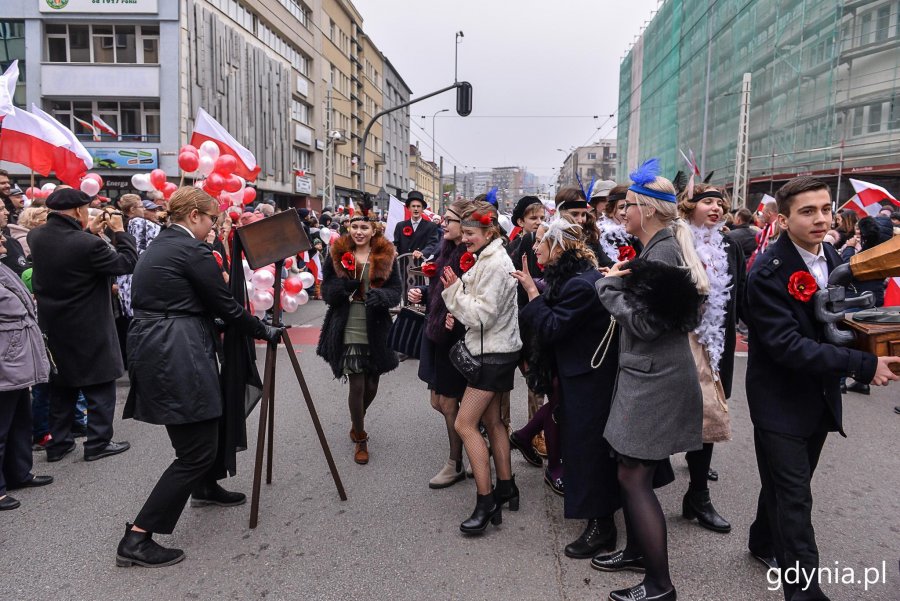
(793, 379)
(416, 235)
(742, 233)
(73, 278)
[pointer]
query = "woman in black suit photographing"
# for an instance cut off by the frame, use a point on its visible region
(177, 290)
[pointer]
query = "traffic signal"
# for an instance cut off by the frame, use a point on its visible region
(464, 99)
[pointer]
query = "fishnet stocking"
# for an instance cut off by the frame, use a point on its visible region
(484, 405)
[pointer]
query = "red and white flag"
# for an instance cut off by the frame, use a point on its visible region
(869, 199)
(207, 128)
(30, 141)
(102, 125)
(766, 199)
(72, 160)
(892, 293)
(314, 266)
(8, 88)
(95, 133)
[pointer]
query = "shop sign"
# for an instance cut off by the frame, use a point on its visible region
(99, 6)
(135, 159)
(303, 184)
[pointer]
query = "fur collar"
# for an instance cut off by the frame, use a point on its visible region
(663, 294)
(564, 269)
(710, 245)
(381, 259)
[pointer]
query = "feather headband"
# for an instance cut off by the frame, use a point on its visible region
(646, 174)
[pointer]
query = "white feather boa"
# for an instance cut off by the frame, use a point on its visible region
(710, 245)
(612, 236)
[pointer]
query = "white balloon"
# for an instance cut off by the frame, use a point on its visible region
(302, 297)
(48, 188)
(262, 300)
(263, 279)
(209, 149)
(207, 163)
(289, 303)
(260, 314)
(141, 181)
(90, 186)
(243, 185)
(307, 279)
(250, 288)
(325, 235)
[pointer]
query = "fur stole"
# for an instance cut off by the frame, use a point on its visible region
(612, 236)
(448, 255)
(710, 245)
(564, 269)
(381, 259)
(664, 295)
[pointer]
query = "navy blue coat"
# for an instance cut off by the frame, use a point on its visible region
(426, 237)
(572, 326)
(793, 377)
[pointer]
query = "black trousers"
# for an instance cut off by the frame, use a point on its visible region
(101, 405)
(15, 438)
(786, 466)
(195, 453)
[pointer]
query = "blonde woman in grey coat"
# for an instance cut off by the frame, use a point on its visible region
(657, 407)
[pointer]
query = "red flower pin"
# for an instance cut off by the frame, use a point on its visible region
(466, 261)
(802, 286)
(627, 252)
(429, 269)
(348, 261)
(408, 231)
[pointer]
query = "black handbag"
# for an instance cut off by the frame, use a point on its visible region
(405, 335)
(463, 360)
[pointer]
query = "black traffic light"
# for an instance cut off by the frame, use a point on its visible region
(464, 99)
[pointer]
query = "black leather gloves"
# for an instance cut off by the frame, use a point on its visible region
(375, 297)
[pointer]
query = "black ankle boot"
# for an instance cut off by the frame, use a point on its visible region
(138, 548)
(486, 510)
(600, 534)
(213, 494)
(507, 491)
(696, 504)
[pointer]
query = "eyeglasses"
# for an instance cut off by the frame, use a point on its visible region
(448, 221)
(214, 218)
(628, 205)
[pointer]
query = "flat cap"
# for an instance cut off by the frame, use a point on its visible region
(67, 198)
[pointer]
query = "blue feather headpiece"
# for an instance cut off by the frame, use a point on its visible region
(646, 174)
(587, 193)
(491, 196)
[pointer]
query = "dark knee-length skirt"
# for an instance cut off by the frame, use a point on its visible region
(436, 370)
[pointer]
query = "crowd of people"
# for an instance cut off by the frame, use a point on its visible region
(620, 305)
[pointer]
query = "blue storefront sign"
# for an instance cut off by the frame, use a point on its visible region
(139, 159)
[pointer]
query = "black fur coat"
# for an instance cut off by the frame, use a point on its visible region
(663, 295)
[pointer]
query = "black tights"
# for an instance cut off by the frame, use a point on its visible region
(449, 407)
(645, 525)
(363, 388)
(698, 465)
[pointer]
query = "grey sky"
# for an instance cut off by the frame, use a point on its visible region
(523, 57)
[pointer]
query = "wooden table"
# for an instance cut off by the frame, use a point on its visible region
(882, 340)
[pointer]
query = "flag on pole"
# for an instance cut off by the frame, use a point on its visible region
(30, 141)
(8, 88)
(71, 160)
(766, 199)
(869, 199)
(95, 133)
(892, 293)
(207, 128)
(314, 266)
(102, 125)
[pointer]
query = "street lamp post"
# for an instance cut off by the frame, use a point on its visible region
(433, 144)
(459, 34)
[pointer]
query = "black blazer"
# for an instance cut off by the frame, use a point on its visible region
(73, 278)
(425, 238)
(733, 311)
(793, 377)
(744, 236)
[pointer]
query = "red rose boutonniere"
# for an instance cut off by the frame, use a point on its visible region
(429, 269)
(408, 231)
(802, 286)
(627, 252)
(466, 261)
(348, 261)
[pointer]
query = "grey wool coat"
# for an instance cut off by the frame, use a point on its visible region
(657, 407)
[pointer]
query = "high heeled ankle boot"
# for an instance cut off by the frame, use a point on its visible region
(696, 504)
(507, 492)
(139, 548)
(600, 534)
(486, 510)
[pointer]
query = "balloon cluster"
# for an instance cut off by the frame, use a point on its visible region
(262, 294)
(216, 175)
(46, 190)
(155, 180)
(91, 184)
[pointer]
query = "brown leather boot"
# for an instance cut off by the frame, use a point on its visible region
(361, 456)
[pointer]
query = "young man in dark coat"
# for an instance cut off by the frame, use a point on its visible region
(73, 278)
(416, 235)
(741, 232)
(793, 379)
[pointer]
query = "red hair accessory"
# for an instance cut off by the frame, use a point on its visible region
(466, 261)
(802, 286)
(348, 261)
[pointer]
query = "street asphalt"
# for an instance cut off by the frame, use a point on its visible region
(394, 538)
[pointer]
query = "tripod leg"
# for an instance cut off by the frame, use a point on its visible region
(270, 450)
(268, 382)
(314, 416)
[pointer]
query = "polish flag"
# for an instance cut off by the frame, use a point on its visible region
(102, 125)
(869, 199)
(314, 266)
(30, 141)
(8, 89)
(72, 160)
(892, 293)
(207, 128)
(766, 199)
(90, 127)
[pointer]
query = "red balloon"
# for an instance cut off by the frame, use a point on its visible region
(169, 189)
(188, 162)
(232, 183)
(215, 182)
(32, 192)
(293, 285)
(224, 207)
(225, 164)
(189, 149)
(235, 215)
(249, 195)
(158, 178)
(289, 262)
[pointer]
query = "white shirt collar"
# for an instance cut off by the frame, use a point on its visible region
(414, 220)
(816, 263)
(185, 229)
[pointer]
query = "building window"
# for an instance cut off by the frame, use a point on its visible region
(299, 10)
(858, 121)
(271, 39)
(894, 117)
(592, 156)
(302, 159)
(300, 111)
(883, 23)
(875, 117)
(865, 28)
(12, 47)
(133, 121)
(105, 44)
